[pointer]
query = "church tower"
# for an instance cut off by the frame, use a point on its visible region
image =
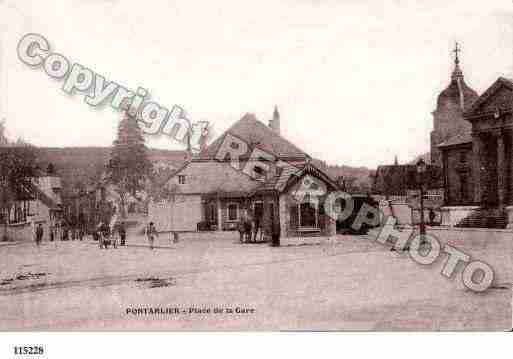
(274, 124)
(447, 117)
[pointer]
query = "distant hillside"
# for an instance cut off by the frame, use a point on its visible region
(83, 166)
(359, 178)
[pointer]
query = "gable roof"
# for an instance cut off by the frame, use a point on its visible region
(290, 174)
(500, 82)
(256, 134)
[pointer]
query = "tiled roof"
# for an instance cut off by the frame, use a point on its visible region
(212, 177)
(459, 139)
(397, 179)
(257, 134)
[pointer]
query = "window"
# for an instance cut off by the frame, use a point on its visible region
(463, 157)
(232, 211)
(181, 179)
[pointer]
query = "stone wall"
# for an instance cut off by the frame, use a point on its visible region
(453, 215)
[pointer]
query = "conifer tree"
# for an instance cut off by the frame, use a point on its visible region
(129, 165)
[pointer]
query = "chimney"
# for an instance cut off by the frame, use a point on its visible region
(274, 124)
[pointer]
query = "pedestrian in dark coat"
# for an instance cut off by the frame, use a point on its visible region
(39, 234)
(122, 233)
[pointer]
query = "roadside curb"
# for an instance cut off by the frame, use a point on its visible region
(457, 229)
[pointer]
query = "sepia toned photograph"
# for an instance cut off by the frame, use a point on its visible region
(286, 165)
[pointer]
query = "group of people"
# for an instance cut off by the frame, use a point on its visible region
(251, 229)
(57, 231)
(105, 235)
(61, 231)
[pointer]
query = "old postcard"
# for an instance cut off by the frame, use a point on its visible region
(256, 166)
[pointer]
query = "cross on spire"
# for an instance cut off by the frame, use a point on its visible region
(456, 50)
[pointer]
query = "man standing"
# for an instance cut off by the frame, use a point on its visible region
(432, 217)
(39, 234)
(151, 233)
(256, 227)
(275, 232)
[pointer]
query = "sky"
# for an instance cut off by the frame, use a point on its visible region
(355, 81)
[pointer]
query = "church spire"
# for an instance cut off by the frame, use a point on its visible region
(457, 73)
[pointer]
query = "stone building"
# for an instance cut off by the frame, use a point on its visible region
(448, 123)
(478, 160)
(213, 192)
(38, 202)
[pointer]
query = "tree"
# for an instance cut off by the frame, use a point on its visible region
(3, 138)
(17, 168)
(129, 165)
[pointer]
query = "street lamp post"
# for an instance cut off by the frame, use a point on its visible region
(421, 171)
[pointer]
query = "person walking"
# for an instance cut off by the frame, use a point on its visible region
(52, 232)
(256, 228)
(39, 234)
(65, 231)
(151, 233)
(122, 233)
(175, 237)
(275, 232)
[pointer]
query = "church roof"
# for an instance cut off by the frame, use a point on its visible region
(458, 92)
(397, 179)
(459, 139)
(256, 134)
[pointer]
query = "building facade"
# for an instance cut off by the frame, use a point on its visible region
(38, 203)
(478, 162)
(214, 193)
